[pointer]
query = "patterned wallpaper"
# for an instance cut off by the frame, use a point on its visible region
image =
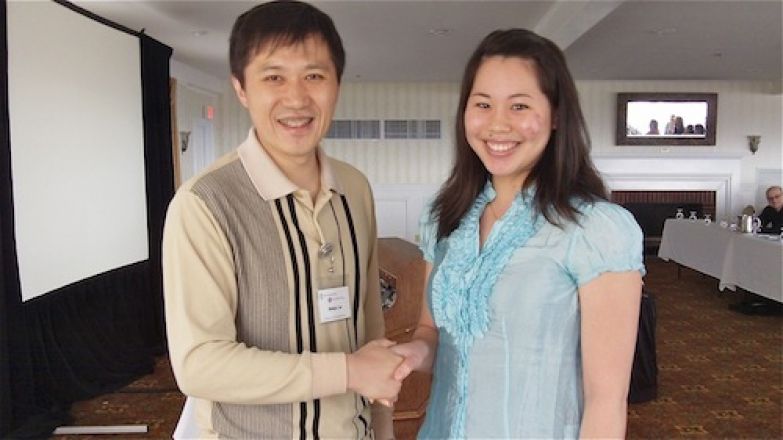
(743, 108)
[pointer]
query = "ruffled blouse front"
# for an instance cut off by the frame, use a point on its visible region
(508, 362)
(463, 283)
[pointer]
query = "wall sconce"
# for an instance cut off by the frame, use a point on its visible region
(184, 140)
(753, 142)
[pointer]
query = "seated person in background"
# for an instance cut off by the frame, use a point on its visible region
(771, 222)
(772, 216)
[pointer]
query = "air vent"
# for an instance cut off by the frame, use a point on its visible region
(411, 129)
(354, 129)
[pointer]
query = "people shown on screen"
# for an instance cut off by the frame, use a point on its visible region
(772, 215)
(534, 279)
(679, 127)
(699, 129)
(670, 125)
(270, 262)
(653, 127)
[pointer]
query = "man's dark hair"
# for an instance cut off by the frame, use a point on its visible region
(281, 23)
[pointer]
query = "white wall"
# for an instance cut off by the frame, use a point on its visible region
(743, 108)
(234, 118)
(398, 161)
(195, 90)
(419, 166)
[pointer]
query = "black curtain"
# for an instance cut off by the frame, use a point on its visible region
(159, 170)
(8, 271)
(99, 334)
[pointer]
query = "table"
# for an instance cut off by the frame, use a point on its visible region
(752, 262)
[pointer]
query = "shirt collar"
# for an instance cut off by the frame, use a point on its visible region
(269, 180)
(526, 194)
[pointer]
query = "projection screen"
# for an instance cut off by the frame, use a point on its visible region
(77, 147)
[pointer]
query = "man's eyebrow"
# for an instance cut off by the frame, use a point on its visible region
(515, 95)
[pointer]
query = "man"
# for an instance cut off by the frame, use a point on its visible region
(771, 222)
(270, 264)
(772, 216)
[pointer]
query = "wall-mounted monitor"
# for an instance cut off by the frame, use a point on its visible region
(667, 118)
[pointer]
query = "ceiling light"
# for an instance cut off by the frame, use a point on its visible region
(663, 31)
(200, 33)
(439, 32)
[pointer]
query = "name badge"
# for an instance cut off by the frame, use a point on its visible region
(334, 304)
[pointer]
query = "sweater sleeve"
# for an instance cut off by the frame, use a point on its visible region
(200, 293)
(767, 218)
(375, 328)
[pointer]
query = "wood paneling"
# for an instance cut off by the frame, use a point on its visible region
(402, 269)
(705, 198)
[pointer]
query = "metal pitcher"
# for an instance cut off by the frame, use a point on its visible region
(748, 224)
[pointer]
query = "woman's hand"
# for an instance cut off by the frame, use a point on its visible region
(414, 354)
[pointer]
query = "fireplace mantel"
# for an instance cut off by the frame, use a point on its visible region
(672, 154)
(398, 206)
(680, 171)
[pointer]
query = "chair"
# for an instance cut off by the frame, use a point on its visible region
(644, 374)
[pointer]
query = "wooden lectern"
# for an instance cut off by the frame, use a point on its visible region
(402, 295)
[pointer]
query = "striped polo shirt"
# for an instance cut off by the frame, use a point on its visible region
(242, 272)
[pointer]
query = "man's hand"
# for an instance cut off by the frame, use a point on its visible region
(371, 369)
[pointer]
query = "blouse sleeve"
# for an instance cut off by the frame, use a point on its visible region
(608, 239)
(428, 233)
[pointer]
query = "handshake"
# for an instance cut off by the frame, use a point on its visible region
(376, 370)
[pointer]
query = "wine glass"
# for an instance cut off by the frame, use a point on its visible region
(679, 215)
(707, 219)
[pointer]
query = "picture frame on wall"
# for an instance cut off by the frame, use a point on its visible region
(666, 118)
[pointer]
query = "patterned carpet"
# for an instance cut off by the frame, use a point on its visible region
(720, 372)
(152, 400)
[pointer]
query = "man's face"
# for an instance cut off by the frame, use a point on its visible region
(775, 198)
(290, 93)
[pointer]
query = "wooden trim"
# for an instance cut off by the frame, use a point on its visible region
(705, 198)
(408, 415)
(175, 153)
(622, 138)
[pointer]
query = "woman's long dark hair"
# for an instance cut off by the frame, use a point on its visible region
(563, 172)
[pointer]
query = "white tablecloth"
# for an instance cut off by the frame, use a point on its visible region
(753, 262)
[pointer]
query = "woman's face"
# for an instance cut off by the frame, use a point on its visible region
(508, 119)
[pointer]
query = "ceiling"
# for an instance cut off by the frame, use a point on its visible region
(405, 40)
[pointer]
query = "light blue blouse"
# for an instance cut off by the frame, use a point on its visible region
(524, 373)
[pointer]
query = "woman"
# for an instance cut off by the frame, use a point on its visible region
(534, 280)
(653, 127)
